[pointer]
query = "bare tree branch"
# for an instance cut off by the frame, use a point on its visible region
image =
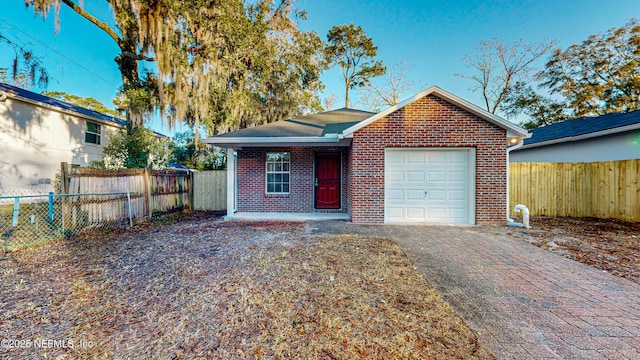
(386, 92)
(499, 66)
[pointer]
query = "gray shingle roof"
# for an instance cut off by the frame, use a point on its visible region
(582, 126)
(10, 89)
(329, 122)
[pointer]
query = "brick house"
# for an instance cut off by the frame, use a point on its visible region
(435, 158)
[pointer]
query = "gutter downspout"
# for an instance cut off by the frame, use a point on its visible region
(510, 221)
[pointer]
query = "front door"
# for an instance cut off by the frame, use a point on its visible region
(327, 181)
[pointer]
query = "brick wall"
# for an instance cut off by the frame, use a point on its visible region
(252, 195)
(428, 122)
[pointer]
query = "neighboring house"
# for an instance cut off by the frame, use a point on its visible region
(434, 158)
(588, 139)
(37, 133)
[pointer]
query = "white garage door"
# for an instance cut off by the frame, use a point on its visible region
(429, 186)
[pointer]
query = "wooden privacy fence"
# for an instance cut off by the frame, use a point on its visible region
(600, 189)
(151, 191)
(210, 190)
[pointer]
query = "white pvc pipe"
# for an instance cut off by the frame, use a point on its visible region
(525, 217)
(518, 145)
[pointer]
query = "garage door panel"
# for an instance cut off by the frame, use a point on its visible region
(436, 214)
(436, 195)
(458, 195)
(394, 157)
(415, 194)
(395, 194)
(395, 212)
(415, 157)
(437, 157)
(415, 213)
(427, 186)
(459, 213)
(395, 176)
(458, 157)
(458, 176)
(415, 176)
(435, 176)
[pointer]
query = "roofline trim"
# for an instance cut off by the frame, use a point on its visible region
(590, 135)
(434, 90)
(271, 140)
(113, 122)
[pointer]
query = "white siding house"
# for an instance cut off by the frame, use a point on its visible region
(590, 139)
(37, 133)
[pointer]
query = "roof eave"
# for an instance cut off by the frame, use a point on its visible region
(113, 122)
(512, 129)
(591, 135)
(237, 142)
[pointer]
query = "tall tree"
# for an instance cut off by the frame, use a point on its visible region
(86, 102)
(598, 76)
(26, 69)
(540, 110)
(499, 66)
(184, 152)
(216, 60)
(354, 52)
(386, 91)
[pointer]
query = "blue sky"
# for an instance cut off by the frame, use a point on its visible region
(429, 36)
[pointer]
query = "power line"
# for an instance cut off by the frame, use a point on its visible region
(59, 54)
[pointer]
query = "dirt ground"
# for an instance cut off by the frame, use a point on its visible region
(609, 245)
(198, 287)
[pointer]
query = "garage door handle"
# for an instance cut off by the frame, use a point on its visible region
(425, 193)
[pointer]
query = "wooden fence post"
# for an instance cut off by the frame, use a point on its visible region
(64, 177)
(147, 185)
(65, 201)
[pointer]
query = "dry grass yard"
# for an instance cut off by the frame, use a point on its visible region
(198, 287)
(609, 245)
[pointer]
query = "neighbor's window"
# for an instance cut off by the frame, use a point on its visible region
(278, 172)
(92, 135)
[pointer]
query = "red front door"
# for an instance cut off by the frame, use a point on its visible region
(327, 181)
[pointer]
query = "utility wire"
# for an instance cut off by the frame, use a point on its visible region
(59, 54)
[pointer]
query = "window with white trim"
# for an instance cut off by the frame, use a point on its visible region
(278, 165)
(92, 134)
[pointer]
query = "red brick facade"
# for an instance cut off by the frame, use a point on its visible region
(252, 196)
(428, 122)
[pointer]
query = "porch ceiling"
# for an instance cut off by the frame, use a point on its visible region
(239, 143)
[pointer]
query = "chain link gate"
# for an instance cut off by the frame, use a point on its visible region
(27, 220)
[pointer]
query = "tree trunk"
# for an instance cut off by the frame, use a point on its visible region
(346, 97)
(128, 66)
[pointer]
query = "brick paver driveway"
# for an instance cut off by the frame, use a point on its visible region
(522, 301)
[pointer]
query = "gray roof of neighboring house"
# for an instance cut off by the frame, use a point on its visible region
(329, 122)
(13, 90)
(583, 127)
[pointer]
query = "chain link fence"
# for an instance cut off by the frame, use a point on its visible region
(27, 220)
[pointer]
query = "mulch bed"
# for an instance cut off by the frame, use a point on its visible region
(199, 287)
(607, 244)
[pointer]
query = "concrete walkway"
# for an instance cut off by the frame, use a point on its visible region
(522, 301)
(282, 216)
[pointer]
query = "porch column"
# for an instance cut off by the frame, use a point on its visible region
(231, 181)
